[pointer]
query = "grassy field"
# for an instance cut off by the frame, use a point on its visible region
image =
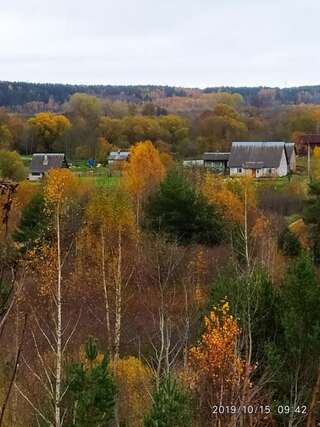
(102, 180)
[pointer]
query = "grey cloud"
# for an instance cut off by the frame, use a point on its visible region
(181, 42)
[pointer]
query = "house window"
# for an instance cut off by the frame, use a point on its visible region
(239, 170)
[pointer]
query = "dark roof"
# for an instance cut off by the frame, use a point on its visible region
(310, 139)
(290, 149)
(119, 155)
(216, 156)
(41, 162)
(256, 155)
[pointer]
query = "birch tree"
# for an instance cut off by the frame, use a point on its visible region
(111, 212)
(59, 187)
(143, 173)
(48, 266)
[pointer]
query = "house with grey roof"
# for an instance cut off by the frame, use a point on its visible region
(260, 159)
(291, 155)
(118, 156)
(41, 163)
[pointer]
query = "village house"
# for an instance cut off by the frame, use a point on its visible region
(118, 156)
(42, 162)
(261, 159)
(217, 162)
(291, 156)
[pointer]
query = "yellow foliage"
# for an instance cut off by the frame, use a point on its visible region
(229, 195)
(44, 264)
(24, 194)
(134, 380)
(144, 171)
(59, 186)
(215, 366)
(48, 127)
(50, 124)
(316, 152)
(111, 210)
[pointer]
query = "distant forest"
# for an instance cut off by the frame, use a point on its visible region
(17, 94)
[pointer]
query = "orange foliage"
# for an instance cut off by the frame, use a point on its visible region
(215, 358)
(144, 171)
(229, 194)
(26, 190)
(216, 371)
(261, 227)
(229, 205)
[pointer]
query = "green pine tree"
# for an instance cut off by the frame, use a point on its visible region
(92, 390)
(312, 217)
(180, 212)
(34, 224)
(294, 355)
(171, 406)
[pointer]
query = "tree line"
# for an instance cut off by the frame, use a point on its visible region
(89, 127)
(17, 95)
(168, 298)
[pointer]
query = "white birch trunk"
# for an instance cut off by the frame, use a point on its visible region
(58, 328)
(246, 237)
(105, 290)
(118, 299)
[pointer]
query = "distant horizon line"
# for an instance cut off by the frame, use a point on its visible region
(161, 85)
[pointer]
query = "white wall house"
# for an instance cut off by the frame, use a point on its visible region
(259, 159)
(118, 156)
(291, 156)
(41, 163)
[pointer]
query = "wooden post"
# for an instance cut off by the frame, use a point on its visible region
(309, 155)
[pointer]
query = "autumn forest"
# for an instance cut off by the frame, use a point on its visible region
(149, 294)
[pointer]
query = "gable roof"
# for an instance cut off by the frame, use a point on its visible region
(216, 156)
(41, 162)
(256, 155)
(119, 155)
(290, 148)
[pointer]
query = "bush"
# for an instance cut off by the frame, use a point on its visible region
(289, 243)
(11, 166)
(178, 211)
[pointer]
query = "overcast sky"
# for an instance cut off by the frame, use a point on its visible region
(193, 43)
